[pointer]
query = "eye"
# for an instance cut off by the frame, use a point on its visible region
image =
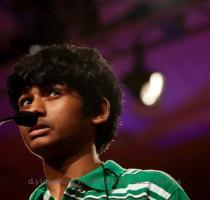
(24, 102)
(54, 93)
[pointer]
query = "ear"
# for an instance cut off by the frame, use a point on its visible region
(104, 114)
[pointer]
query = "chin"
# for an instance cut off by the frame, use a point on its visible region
(41, 147)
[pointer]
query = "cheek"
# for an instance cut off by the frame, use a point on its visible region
(65, 112)
(69, 123)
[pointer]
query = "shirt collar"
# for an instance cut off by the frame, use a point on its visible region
(39, 191)
(95, 179)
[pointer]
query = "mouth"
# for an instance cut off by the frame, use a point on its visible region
(39, 130)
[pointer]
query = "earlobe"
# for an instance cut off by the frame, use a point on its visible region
(104, 114)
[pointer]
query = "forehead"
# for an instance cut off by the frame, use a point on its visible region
(46, 87)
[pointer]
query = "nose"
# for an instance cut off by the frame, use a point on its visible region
(38, 106)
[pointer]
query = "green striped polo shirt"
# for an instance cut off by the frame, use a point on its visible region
(120, 183)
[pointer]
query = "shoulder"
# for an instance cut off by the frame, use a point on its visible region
(156, 176)
(151, 182)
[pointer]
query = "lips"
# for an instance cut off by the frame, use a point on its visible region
(39, 130)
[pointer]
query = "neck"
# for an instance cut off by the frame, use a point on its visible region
(60, 171)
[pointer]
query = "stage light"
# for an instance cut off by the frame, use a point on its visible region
(147, 86)
(151, 91)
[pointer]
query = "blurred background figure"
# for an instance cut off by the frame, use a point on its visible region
(160, 53)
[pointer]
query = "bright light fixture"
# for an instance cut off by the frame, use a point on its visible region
(152, 90)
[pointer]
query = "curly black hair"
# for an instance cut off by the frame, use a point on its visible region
(81, 68)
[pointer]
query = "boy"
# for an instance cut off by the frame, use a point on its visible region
(78, 102)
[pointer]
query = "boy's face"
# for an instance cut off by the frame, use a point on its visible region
(62, 127)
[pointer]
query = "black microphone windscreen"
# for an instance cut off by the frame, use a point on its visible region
(25, 118)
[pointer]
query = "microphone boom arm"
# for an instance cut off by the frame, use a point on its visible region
(22, 118)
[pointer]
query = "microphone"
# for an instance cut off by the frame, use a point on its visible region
(23, 118)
